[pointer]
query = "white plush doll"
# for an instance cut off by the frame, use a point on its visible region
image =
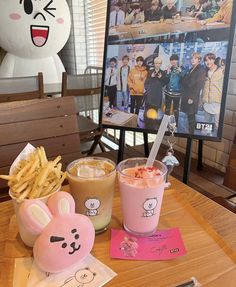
(33, 32)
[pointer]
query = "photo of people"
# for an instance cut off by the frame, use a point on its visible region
(168, 57)
(155, 21)
(117, 16)
(154, 13)
(154, 84)
(169, 10)
(192, 86)
(173, 89)
(136, 16)
(111, 82)
(136, 79)
(144, 82)
(212, 91)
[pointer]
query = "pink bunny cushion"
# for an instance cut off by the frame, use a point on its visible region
(65, 238)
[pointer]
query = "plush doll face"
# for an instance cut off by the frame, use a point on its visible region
(34, 28)
(64, 237)
(65, 241)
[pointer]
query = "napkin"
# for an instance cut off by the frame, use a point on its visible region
(89, 272)
(21, 271)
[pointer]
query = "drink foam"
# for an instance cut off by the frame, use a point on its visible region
(91, 168)
(90, 171)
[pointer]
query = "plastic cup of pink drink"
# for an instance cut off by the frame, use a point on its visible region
(141, 190)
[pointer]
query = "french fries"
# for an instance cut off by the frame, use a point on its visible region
(35, 177)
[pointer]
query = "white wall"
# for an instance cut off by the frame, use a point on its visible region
(73, 55)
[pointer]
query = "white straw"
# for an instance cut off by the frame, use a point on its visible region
(158, 140)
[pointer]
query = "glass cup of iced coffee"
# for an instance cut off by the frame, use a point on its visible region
(141, 190)
(92, 184)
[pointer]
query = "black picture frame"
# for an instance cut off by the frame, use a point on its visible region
(227, 32)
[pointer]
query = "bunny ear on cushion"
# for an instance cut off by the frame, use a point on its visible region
(34, 215)
(61, 203)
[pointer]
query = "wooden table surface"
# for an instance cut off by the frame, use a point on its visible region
(208, 231)
(148, 29)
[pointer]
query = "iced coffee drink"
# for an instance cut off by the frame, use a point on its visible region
(141, 190)
(92, 183)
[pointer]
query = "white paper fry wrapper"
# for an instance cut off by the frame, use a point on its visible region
(28, 149)
(90, 272)
(27, 237)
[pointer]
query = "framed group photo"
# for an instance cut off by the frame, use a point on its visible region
(167, 57)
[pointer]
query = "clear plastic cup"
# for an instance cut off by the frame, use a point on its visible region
(141, 195)
(93, 191)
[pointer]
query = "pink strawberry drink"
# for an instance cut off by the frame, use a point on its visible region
(141, 190)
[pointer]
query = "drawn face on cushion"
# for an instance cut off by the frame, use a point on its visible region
(34, 28)
(64, 241)
(72, 245)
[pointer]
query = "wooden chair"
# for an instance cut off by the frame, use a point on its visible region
(21, 88)
(84, 87)
(226, 202)
(93, 70)
(51, 123)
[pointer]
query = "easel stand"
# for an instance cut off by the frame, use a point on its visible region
(187, 160)
(188, 156)
(200, 151)
(122, 145)
(146, 146)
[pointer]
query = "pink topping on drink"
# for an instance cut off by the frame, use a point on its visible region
(143, 172)
(140, 176)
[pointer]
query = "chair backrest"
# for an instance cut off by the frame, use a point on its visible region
(86, 87)
(21, 88)
(51, 123)
(93, 69)
(81, 84)
(227, 203)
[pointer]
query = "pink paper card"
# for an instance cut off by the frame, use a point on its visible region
(163, 245)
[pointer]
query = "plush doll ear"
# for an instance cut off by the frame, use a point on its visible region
(34, 215)
(61, 203)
